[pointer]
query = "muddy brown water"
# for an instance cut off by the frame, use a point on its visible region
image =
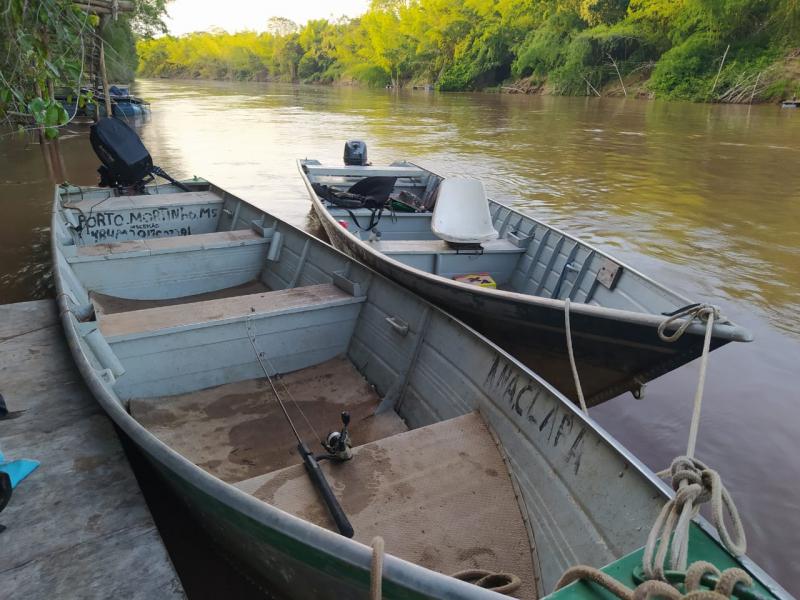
(705, 199)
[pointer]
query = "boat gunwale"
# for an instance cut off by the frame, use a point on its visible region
(724, 330)
(399, 572)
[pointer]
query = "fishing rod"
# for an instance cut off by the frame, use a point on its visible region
(337, 446)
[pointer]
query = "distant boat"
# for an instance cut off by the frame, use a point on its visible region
(187, 310)
(790, 104)
(123, 104)
(532, 269)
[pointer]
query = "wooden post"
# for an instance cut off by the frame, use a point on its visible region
(105, 78)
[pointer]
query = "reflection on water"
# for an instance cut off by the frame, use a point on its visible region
(703, 198)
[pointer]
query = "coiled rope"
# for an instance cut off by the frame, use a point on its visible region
(502, 583)
(694, 483)
(723, 589)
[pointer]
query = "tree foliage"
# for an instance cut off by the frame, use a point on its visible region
(45, 47)
(574, 46)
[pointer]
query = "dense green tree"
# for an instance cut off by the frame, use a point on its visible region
(673, 48)
(44, 45)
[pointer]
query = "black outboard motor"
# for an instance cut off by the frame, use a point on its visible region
(355, 153)
(126, 162)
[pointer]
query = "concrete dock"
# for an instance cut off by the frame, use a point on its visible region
(78, 526)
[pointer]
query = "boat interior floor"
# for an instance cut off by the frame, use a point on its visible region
(236, 431)
(440, 495)
(110, 305)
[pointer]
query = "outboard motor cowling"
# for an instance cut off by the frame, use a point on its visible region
(125, 159)
(127, 164)
(355, 153)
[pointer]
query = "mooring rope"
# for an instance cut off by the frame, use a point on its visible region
(502, 583)
(693, 481)
(571, 353)
(722, 590)
(707, 313)
(376, 569)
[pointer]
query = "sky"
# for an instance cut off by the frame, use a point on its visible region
(235, 15)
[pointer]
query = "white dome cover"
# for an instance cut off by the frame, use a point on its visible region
(461, 214)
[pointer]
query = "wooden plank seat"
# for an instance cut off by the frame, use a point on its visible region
(145, 201)
(165, 245)
(221, 310)
(105, 304)
(440, 496)
(499, 246)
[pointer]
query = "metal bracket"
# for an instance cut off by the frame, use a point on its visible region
(609, 273)
(519, 239)
(344, 283)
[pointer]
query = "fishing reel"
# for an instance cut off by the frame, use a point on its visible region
(337, 444)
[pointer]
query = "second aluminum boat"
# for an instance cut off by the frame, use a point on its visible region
(509, 275)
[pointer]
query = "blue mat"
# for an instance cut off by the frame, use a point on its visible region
(17, 469)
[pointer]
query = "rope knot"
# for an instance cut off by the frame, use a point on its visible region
(694, 483)
(691, 480)
(684, 317)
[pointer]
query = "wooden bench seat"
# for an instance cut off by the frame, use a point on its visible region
(107, 305)
(199, 314)
(145, 201)
(164, 245)
(500, 246)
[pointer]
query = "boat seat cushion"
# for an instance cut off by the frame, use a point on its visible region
(220, 310)
(461, 214)
(440, 496)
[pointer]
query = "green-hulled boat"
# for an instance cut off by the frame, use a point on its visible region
(184, 305)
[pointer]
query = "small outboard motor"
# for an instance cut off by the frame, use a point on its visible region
(126, 162)
(355, 153)
(125, 159)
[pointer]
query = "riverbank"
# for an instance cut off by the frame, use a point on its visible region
(731, 51)
(785, 75)
(772, 84)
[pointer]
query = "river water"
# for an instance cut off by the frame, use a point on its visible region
(705, 199)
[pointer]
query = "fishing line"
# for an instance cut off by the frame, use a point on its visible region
(311, 463)
(251, 334)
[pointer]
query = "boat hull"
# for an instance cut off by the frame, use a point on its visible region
(613, 355)
(581, 490)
